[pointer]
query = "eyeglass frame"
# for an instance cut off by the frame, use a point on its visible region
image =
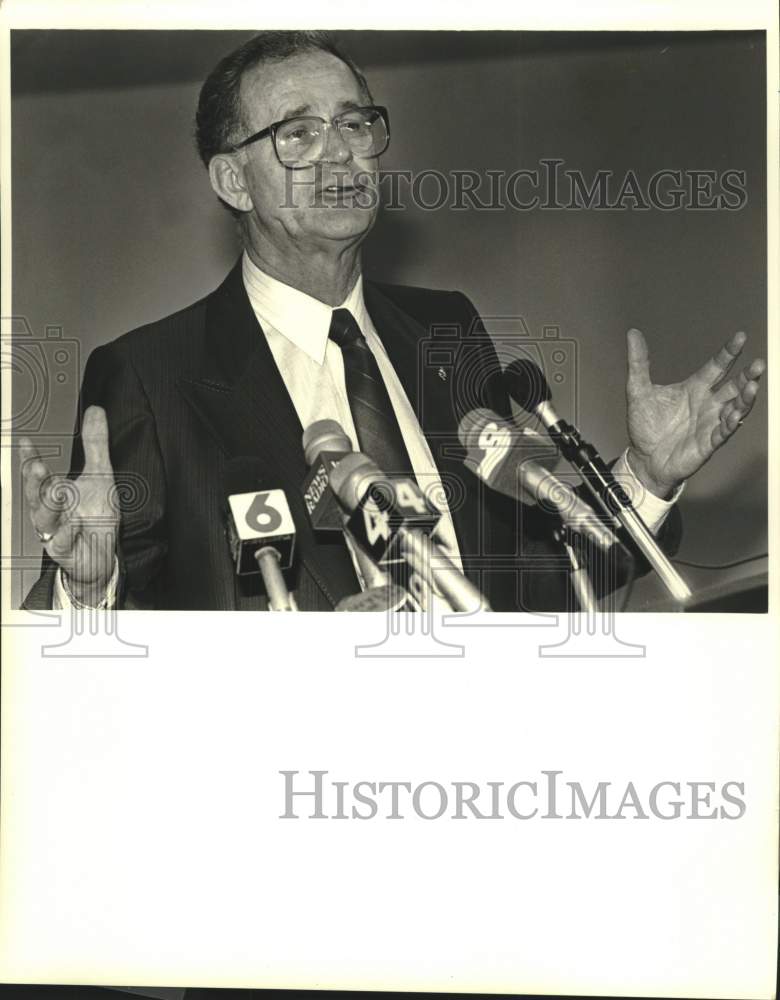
(271, 130)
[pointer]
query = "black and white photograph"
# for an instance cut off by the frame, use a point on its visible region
(466, 323)
(521, 273)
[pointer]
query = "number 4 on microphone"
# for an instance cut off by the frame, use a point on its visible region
(376, 523)
(388, 507)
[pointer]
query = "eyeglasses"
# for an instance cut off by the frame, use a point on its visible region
(298, 142)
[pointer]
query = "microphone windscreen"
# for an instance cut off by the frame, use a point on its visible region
(352, 476)
(493, 392)
(526, 384)
(324, 435)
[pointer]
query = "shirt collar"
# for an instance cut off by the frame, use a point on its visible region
(300, 318)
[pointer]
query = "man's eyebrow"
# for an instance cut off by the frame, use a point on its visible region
(306, 109)
(349, 105)
(302, 109)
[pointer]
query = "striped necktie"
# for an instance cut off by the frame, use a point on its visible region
(375, 421)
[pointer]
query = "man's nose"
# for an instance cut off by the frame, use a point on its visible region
(335, 149)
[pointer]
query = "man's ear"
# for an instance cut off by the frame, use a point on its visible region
(227, 179)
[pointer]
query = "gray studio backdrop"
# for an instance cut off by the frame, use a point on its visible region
(114, 223)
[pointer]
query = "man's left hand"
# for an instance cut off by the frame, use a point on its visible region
(674, 429)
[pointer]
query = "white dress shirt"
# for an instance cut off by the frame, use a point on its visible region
(296, 327)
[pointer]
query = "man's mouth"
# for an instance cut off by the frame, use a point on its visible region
(341, 189)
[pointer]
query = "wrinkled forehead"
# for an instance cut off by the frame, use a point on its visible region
(315, 83)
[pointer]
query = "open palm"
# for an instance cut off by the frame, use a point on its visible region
(674, 429)
(77, 520)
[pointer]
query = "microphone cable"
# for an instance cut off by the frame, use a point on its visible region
(727, 565)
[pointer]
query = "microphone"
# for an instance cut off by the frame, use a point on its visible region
(496, 452)
(528, 387)
(392, 520)
(379, 507)
(324, 444)
(261, 536)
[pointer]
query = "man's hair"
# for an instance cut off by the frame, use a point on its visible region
(218, 121)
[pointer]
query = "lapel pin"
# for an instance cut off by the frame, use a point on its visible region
(442, 374)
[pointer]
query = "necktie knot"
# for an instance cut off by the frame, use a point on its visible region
(344, 329)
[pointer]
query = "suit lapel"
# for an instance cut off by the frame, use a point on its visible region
(242, 400)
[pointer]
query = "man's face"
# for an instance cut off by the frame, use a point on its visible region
(333, 199)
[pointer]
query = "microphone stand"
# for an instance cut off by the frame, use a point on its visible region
(578, 570)
(279, 597)
(616, 503)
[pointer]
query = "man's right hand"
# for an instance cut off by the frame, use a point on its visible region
(77, 520)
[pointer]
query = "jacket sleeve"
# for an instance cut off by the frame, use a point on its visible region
(111, 381)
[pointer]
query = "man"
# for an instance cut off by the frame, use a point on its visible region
(187, 407)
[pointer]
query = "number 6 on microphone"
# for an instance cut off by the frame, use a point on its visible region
(260, 520)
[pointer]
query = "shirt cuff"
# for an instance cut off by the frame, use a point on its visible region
(63, 599)
(652, 509)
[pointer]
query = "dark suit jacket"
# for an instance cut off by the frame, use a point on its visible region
(192, 395)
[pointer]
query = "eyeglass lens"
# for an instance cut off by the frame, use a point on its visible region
(303, 139)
